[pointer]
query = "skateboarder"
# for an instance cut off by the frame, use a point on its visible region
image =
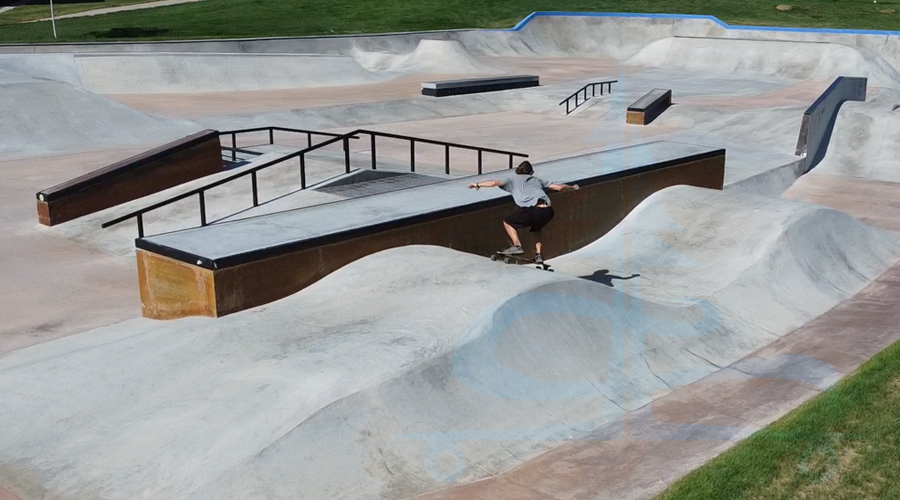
(534, 206)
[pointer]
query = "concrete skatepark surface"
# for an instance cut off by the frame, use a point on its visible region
(421, 369)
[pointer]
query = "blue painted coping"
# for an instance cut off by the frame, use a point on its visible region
(533, 15)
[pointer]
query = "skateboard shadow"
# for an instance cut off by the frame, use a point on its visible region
(604, 278)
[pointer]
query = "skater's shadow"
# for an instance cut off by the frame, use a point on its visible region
(604, 278)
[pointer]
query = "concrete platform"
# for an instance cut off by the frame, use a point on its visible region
(230, 266)
(226, 244)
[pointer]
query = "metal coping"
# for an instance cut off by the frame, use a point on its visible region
(714, 19)
(327, 239)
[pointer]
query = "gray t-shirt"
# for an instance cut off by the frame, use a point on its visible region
(526, 190)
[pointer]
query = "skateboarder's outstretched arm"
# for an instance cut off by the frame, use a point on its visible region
(564, 187)
(485, 184)
(553, 187)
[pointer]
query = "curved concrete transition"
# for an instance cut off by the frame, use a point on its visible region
(423, 371)
(429, 56)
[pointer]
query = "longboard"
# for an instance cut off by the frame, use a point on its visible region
(515, 259)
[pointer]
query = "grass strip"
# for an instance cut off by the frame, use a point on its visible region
(840, 445)
(266, 18)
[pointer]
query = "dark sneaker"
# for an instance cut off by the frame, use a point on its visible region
(513, 250)
(538, 258)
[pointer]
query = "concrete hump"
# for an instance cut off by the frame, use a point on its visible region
(790, 59)
(50, 117)
(429, 56)
(156, 73)
(745, 252)
(41, 67)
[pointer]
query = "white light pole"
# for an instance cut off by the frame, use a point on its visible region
(52, 19)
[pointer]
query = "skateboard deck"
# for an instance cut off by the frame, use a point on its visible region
(516, 259)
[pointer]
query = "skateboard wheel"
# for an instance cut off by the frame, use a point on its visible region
(495, 257)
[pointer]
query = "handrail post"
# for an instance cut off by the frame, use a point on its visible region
(346, 142)
(412, 155)
(510, 162)
(374, 163)
(302, 171)
(255, 192)
(447, 159)
(271, 135)
(233, 147)
(479, 162)
(140, 222)
(202, 209)
(309, 139)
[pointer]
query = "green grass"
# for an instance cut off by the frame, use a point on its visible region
(843, 444)
(262, 18)
(33, 12)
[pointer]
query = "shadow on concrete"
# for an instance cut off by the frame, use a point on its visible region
(129, 32)
(604, 278)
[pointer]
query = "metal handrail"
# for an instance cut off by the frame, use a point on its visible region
(583, 90)
(271, 130)
(139, 214)
(345, 138)
(447, 145)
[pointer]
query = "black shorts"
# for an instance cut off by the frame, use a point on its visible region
(533, 217)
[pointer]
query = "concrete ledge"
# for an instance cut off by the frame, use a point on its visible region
(476, 85)
(175, 163)
(228, 267)
(648, 107)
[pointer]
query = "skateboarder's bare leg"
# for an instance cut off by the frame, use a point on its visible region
(537, 235)
(513, 234)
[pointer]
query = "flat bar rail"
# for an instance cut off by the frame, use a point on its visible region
(301, 154)
(605, 87)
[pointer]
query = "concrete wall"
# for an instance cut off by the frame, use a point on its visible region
(177, 162)
(819, 118)
(173, 289)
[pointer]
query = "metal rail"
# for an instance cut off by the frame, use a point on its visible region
(607, 85)
(234, 133)
(344, 139)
